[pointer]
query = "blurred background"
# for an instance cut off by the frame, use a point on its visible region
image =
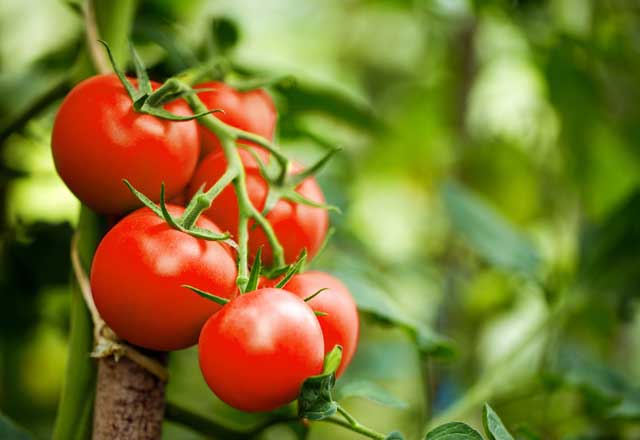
(489, 183)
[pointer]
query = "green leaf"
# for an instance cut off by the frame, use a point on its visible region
(332, 360)
(141, 72)
(146, 201)
(454, 431)
(254, 276)
(10, 431)
(206, 295)
(395, 435)
(372, 299)
(131, 91)
(488, 233)
(293, 269)
(600, 384)
(628, 408)
(313, 295)
(371, 391)
(493, 426)
(315, 401)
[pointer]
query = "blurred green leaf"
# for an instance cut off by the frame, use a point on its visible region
(225, 33)
(373, 300)
(488, 233)
(10, 431)
(600, 384)
(371, 391)
(628, 408)
(395, 435)
(493, 426)
(611, 254)
(453, 431)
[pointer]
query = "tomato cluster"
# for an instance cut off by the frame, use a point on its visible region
(255, 350)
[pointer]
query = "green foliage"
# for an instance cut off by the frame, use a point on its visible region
(493, 426)
(454, 431)
(316, 401)
(488, 233)
(9, 431)
(371, 391)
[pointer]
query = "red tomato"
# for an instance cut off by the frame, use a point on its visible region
(341, 324)
(256, 352)
(297, 226)
(251, 111)
(136, 279)
(98, 139)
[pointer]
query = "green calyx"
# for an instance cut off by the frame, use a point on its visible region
(282, 184)
(144, 99)
(178, 223)
(210, 296)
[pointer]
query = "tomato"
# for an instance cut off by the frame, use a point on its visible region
(251, 111)
(136, 279)
(98, 139)
(341, 324)
(256, 352)
(297, 226)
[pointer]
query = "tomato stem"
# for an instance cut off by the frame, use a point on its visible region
(228, 137)
(352, 424)
(203, 201)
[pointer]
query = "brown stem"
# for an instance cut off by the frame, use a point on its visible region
(98, 57)
(129, 401)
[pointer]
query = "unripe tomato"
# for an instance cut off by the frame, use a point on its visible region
(297, 226)
(341, 324)
(136, 279)
(251, 111)
(256, 352)
(98, 139)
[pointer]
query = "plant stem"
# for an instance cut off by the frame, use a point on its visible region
(204, 201)
(73, 420)
(210, 428)
(228, 137)
(352, 424)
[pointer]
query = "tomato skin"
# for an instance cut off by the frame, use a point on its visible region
(297, 226)
(256, 352)
(252, 111)
(341, 324)
(136, 278)
(98, 139)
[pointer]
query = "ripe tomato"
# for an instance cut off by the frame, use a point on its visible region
(252, 111)
(98, 139)
(341, 324)
(136, 279)
(296, 226)
(256, 352)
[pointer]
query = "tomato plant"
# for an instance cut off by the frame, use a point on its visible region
(136, 279)
(251, 110)
(340, 325)
(257, 351)
(99, 139)
(296, 225)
